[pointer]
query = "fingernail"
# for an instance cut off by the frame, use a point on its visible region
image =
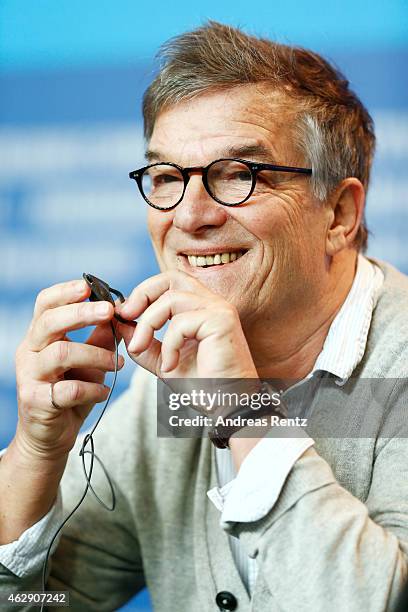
(121, 360)
(123, 306)
(132, 346)
(164, 367)
(79, 286)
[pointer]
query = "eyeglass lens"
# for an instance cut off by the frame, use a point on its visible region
(163, 185)
(228, 180)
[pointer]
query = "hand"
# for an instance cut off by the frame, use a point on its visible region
(204, 338)
(46, 355)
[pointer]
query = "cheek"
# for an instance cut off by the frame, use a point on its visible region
(273, 222)
(297, 218)
(158, 224)
(291, 230)
(304, 238)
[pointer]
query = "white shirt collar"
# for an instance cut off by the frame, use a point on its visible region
(346, 340)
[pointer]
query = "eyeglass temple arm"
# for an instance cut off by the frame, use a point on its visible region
(259, 167)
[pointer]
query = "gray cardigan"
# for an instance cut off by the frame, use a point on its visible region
(337, 538)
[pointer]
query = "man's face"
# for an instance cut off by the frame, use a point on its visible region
(277, 237)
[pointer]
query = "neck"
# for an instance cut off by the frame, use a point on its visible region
(287, 349)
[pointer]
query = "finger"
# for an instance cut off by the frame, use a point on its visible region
(157, 314)
(149, 359)
(72, 393)
(60, 295)
(84, 410)
(152, 288)
(85, 374)
(53, 324)
(183, 327)
(61, 356)
(103, 336)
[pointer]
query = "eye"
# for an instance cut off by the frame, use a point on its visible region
(164, 179)
(228, 173)
(241, 175)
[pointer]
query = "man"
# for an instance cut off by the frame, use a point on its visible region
(258, 162)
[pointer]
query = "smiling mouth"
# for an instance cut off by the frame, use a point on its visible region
(216, 259)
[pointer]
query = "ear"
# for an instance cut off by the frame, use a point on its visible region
(347, 204)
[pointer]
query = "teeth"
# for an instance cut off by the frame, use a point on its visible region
(213, 260)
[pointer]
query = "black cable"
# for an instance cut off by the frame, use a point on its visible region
(88, 474)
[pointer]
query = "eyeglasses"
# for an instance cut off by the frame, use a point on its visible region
(228, 181)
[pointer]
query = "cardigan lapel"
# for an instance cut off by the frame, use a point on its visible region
(215, 567)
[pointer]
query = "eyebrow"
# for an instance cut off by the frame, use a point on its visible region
(258, 151)
(152, 156)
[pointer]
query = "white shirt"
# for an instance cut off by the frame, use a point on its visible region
(251, 494)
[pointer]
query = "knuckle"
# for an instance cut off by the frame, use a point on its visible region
(35, 396)
(79, 311)
(133, 294)
(75, 391)
(44, 322)
(228, 309)
(227, 315)
(102, 356)
(177, 319)
(25, 364)
(61, 352)
(24, 395)
(169, 297)
(41, 299)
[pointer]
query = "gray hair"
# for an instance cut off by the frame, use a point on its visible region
(332, 129)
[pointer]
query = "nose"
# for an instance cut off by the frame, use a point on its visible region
(197, 211)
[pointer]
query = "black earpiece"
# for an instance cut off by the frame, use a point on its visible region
(100, 291)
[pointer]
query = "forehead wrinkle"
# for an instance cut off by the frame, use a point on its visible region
(272, 137)
(269, 144)
(252, 151)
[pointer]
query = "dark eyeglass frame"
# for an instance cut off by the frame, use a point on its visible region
(253, 167)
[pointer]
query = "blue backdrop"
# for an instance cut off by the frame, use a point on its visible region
(71, 78)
